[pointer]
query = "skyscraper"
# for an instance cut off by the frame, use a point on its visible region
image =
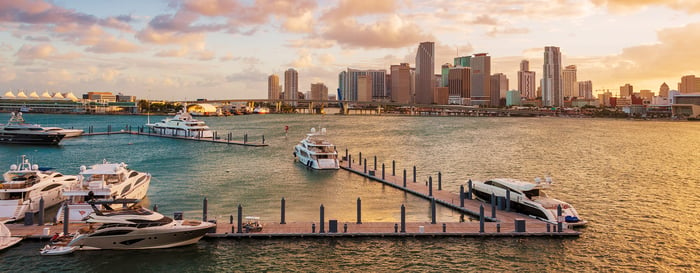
(401, 83)
(526, 81)
(663, 90)
(291, 84)
(273, 85)
(689, 84)
(319, 91)
(464, 61)
(552, 94)
(570, 85)
(585, 89)
(348, 84)
(425, 72)
(626, 90)
(459, 84)
(444, 74)
(480, 79)
(499, 87)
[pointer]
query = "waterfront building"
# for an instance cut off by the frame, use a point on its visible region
(480, 79)
(93, 96)
(585, 89)
(459, 84)
(349, 84)
(513, 98)
(401, 83)
(441, 95)
(689, 84)
(646, 95)
(445, 74)
(663, 90)
(319, 91)
(464, 61)
(291, 85)
(552, 94)
(425, 72)
(343, 86)
(569, 83)
(605, 98)
(626, 90)
(499, 87)
(526, 81)
(273, 91)
(364, 87)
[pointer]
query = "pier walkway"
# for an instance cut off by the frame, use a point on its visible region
(227, 140)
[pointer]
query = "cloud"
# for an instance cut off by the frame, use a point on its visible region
(27, 54)
(182, 51)
(252, 75)
(299, 24)
(7, 75)
(497, 31)
(311, 42)
(304, 60)
(113, 45)
(393, 32)
(353, 8)
(149, 35)
(689, 6)
(37, 38)
(484, 19)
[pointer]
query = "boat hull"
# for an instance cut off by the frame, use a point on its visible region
(150, 238)
(30, 139)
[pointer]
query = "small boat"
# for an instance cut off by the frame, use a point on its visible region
(135, 227)
(182, 124)
(528, 198)
(67, 132)
(16, 131)
(316, 152)
(25, 184)
(105, 181)
(252, 224)
(6, 239)
(261, 110)
(54, 250)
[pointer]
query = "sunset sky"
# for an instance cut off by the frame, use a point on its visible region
(225, 49)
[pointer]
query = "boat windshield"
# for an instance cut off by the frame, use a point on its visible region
(534, 193)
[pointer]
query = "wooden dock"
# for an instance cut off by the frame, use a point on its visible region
(227, 140)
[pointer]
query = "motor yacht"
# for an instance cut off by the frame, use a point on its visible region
(316, 152)
(106, 181)
(67, 132)
(135, 227)
(528, 198)
(16, 131)
(182, 124)
(24, 185)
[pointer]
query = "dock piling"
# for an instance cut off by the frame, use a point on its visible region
(493, 205)
(240, 218)
(498, 227)
(461, 196)
(263, 139)
(403, 218)
(432, 211)
(439, 181)
(507, 200)
(204, 210)
(396, 228)
(230, 219)
(66, 218)
(481, 218)
(404, 178)
(322, 221)
(349, 161)
(345, 228)
(361, 159)
(375, 162)
(414, 173)
(382, 171)
(28, 218)
(41, 211)
(359, 211)
(444, 227)
(560, 225)
(313, 227)
(430, 186)
(393, 168)
(282, 222)
(365, 165)
(469, 189)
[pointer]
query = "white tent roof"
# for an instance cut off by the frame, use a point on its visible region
(21, 94)
(72, 97)
(34, 95)
(9, 94)
(45, 95)
(57, 96)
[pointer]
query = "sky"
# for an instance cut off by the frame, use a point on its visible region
(226, 49)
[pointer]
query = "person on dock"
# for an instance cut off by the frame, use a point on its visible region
(286, 129)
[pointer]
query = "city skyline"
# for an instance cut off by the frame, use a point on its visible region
(221, 49)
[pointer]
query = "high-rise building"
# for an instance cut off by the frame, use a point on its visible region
(499, 87)
(364, 87)
(291, 84)
(348, 84)
(585, 89)
(444, 74)
(663, 90)
(401, 83)
(569, 83)
(626, 90)
(513, 98)
(425, 72)
(689, 84)
(319, 91)
(464, 61)
(526, 81)
(552, 94)
(459, 84)
(646, 95)
(273, 85)
(480, 79)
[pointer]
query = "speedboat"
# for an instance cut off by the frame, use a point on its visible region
(135, 227)
(261, 110)
(16, 131)
(316, 152)
(182, 124)
(528, 198)
(106, 181)
(24, 185)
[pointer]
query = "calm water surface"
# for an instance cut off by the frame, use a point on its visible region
(635, 181)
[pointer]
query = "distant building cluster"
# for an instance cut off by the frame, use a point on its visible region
(67, 102)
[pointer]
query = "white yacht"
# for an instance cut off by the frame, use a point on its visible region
(136, 228)
(106, 181)
(67, 132)
(316, 152)
(17, 131)
(182, 124)
(528, 198)
(24, 185)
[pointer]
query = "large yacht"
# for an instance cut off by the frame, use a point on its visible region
(24, 185)
(16, 131)
(136, 228)
(528, 198)
(316, 152)
(182, 124)
(106, 181)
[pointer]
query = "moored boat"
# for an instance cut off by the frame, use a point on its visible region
(17, 131)
(316, 152)
(528, 198)
(182, 124)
